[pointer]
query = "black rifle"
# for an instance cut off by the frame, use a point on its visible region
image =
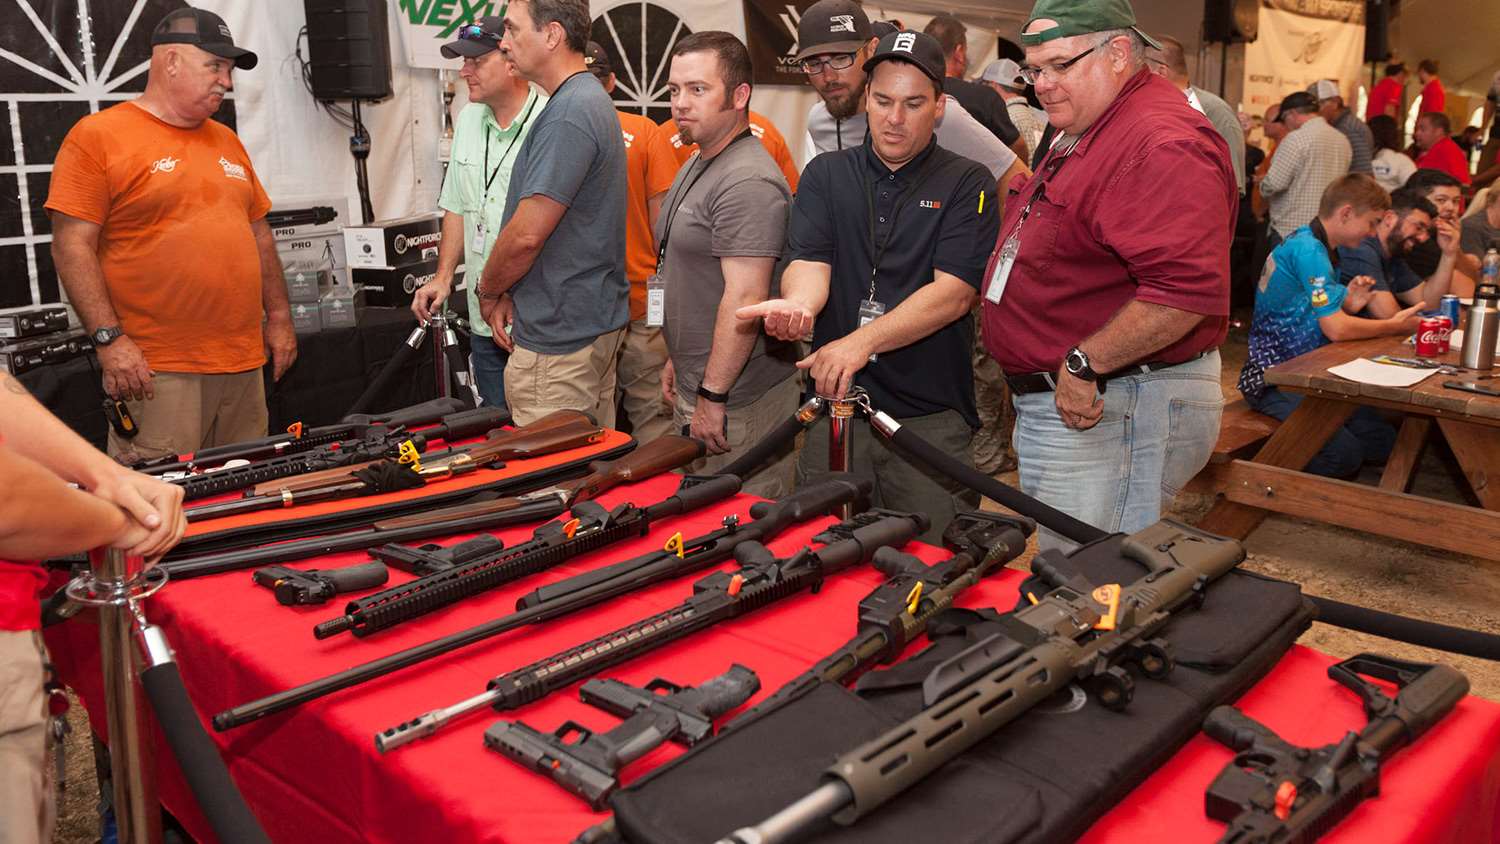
(897, 612)
(294, 587)
(1076, 633)
(651, 459)
(482, 566)
(1278, 792)
(299, 438)
(377, 442)
(584, 590)
(762, 579)
(589, 765)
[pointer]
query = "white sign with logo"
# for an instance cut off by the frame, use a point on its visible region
(427, 25)
(1294, 51)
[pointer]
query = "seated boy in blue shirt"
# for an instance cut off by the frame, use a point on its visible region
(1300, 304)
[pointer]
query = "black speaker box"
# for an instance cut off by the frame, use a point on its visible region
(1231, 21)
(1377, 30)
(349, 49)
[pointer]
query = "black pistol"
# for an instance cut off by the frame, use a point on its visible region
(298, 587)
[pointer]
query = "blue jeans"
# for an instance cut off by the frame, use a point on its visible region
(1158, 430)
(1365, 438)
(487, 365)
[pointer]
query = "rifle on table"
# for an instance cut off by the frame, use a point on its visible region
(1274, 791)
(1076, 633)
(762, 579)
(378, 442)
(653, 458)
(409, 472)
(300, 438)
(478, 565)
(575, 593)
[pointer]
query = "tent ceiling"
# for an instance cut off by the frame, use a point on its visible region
(1462, 35)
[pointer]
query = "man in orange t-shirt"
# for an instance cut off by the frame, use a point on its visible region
(649, 169)
(764, 131)
(160, 239)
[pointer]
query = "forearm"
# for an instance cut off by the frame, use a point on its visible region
(806, 283)
(747, 281)
(1340, 327)
(1134, 333)
(45, 517)
(1468, 266)
(1279, 175)
(450, 248)
(1436, 286)
(272, 277)
(1382, 305)
(930, 308)
(29, 428)
(82, 276)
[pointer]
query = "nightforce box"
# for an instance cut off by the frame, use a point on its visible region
(28, 353)
(31, 321)
(386, 288)
(394, 243)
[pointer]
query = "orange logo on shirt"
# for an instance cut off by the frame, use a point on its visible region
(931, 203)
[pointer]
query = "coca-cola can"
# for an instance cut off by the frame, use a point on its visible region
(1431, 338)
(1445, 333)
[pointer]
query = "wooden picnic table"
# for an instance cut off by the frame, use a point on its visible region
(1272, 481)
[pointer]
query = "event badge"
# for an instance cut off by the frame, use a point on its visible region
(1001, 276)
(869, 311)
(477, 247)
(656, 301)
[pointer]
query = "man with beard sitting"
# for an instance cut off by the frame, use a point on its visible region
(1385, 256)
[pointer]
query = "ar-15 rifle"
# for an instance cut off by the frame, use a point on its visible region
(589, 766)
(378, 442)
(653, 458)
(1277, 793)
(300, 438)
(568, 596)
(485, 565)
(1075, 633)
(410, 471)
(301, 587)
(762, 579)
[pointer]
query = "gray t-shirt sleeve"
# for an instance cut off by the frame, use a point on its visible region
(1473, 239)
(749, 219)
(563, 155)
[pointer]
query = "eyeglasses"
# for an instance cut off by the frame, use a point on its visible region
(815, 66)
(1057, 70)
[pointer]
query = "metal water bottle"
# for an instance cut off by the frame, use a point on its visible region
(1484, 317)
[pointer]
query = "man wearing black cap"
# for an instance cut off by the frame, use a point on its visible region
(834, 41)
(983, 103)
(887, 245)
(160, 239)
(501, 111)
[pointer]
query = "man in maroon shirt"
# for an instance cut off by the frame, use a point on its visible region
(1439, 150)
(45, 516)
(1112, 268)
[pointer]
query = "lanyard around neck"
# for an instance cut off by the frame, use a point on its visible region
(681, 196)
(520, 130)
(878, 247)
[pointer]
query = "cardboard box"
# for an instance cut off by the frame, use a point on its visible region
(28, 353)
(387, 244)
(32, 320)
(306, 318)
(311, 265)
(393, 288)
(339, 308)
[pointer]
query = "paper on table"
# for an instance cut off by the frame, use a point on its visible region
(1369, 372)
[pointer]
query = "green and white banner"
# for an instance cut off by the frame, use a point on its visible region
(427, 25)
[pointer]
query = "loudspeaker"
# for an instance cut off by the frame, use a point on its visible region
(1377, 30)
(349, 49)
(1231, 21)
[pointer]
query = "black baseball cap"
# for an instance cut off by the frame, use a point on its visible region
(832, 26)
(913, 47)
(476, 39)
(1296, 101)
(204, 30)
(597, 61)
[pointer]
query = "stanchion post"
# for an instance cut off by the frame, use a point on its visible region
(438, 323)
(132, 763)
(841, 441)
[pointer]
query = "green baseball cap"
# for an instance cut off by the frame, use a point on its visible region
(1081, 17)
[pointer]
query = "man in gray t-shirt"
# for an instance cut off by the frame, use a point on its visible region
(1480, 231)
(720, 232)
(554, 287)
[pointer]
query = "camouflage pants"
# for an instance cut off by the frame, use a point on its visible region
(991, 448)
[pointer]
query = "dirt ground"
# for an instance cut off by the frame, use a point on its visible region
(1328, 561)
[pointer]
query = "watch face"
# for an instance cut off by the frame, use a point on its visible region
(1076, 361)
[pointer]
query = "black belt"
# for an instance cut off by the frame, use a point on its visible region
(1046, 382)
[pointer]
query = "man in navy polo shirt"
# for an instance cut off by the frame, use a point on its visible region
(887, 244)
(1384, 257)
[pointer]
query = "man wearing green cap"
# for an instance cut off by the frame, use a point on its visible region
(1111, 270)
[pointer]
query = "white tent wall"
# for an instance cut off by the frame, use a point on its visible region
(299, 151)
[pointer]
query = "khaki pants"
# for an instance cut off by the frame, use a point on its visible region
(642, 357)
(27, 808)
(537, 384)
(748, 425)
(193, 411)
(900, 483)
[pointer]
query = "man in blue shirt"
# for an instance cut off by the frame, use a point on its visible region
(1385, 256)
(1300, 305)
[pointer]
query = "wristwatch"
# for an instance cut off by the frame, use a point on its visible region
(716, 398)
(106, 335)
(1078, 365)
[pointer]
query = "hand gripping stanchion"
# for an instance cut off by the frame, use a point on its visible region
(116, 585)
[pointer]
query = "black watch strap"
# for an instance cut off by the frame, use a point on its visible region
(105, 336)
(716, 398)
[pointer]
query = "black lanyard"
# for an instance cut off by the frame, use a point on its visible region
(878, 247)
(666, 231)
(520, 129)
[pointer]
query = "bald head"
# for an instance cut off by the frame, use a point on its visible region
(1170, 61)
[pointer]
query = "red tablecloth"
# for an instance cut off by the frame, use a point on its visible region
(313, 774)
